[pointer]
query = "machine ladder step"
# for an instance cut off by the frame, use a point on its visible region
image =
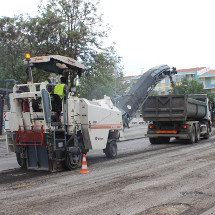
(59, 142)
(56, 123)
(59, 130)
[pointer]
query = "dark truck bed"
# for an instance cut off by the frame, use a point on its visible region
(174, 108)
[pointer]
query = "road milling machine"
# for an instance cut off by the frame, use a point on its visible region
(48, 132)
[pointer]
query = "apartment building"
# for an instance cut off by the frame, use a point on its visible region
(202, 74)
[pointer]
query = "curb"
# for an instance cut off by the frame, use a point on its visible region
(3, 137)
(131, 138)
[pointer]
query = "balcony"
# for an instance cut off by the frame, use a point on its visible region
(209, 86)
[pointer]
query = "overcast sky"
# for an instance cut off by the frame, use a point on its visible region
(179, 33)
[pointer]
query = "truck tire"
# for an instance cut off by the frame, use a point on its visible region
(164, 139)
(206, 136)
(111, 150)
(153, 140)
(197, 133)
(192, 136)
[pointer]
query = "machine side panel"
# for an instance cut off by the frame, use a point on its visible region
(97, 121)
(15, 115)
(37, 157)
(84, 123)
(46, 106)
(98, 138)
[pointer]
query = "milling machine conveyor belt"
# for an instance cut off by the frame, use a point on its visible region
(130, 103)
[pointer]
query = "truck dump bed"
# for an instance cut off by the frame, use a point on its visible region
(173, 108)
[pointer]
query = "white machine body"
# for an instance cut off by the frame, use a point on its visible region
(95, 119)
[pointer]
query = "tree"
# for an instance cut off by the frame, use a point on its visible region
(14, 44)
(191, 87)
(81, 37)
(100, 77)
(11, 48)
(71, 28)
(154, 93)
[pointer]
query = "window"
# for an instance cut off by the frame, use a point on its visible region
(212, 81)
(179, 78)
(192, 76)
(203, 82)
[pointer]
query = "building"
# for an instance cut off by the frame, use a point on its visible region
(202, 74)
(208, 80)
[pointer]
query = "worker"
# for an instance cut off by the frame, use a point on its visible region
(62, 88)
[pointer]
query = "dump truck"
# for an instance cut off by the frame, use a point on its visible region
(48, 132)
(184, 117)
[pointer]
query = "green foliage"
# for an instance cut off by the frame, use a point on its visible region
(11, 48)
(154, 93)
(14, 43)
(71, 28)
(191, 87)
(99, 79)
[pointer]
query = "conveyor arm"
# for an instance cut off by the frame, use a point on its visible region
(130, 103)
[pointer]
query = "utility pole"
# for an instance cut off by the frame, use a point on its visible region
(116, 69)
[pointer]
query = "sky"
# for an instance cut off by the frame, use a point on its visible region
(148, 33)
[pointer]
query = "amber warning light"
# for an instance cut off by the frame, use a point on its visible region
(27, 57)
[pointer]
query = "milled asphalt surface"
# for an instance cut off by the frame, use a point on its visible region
(145, 179)
(8, 160)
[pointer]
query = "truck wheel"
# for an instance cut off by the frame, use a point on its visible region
(192, 136)
(111, 149)
(164, 139)
(206, 136)
(197, 133)
(21, 161)
(153, 140)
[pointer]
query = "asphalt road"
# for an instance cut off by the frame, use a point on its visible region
(167, 179)
(8, 160)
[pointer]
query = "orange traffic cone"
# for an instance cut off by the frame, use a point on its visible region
(84, 169)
